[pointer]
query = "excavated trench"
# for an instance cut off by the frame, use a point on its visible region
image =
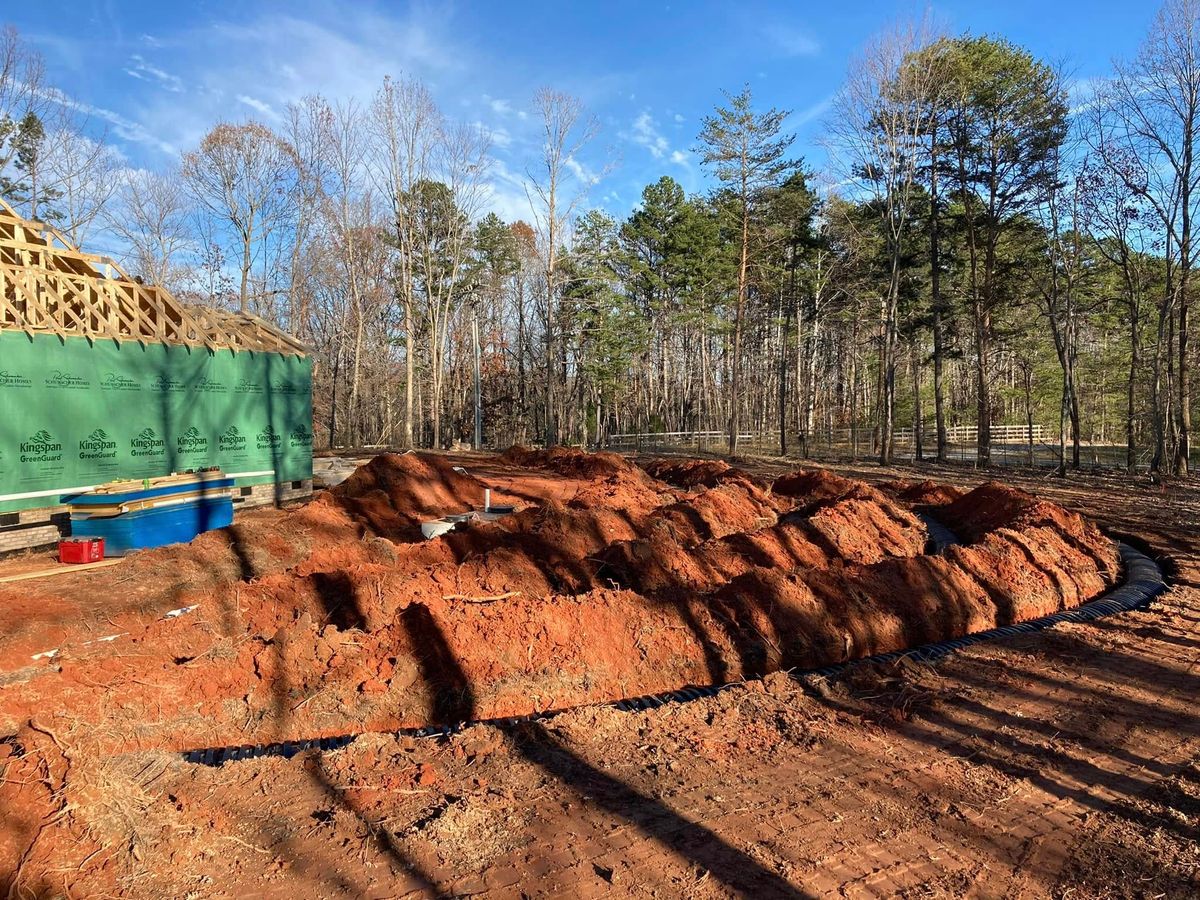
(610, 583)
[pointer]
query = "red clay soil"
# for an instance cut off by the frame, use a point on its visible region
(814, 486)
(691, 473)
(604, 480)
(352, 624)
(393, 493)
(921, 493)
(335, 618)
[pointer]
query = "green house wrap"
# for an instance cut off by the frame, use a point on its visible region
(76, 413)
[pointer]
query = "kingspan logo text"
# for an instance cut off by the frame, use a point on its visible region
(192, 441)
(41, 447)
(147, 443)
(41, 442)
(232, 439)
(268, 439)
(97, 445)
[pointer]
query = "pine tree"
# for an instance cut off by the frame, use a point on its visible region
(27, 139)
(748, 155)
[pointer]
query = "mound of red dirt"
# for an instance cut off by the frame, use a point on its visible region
(868, 531)
(609, 479)
(921, 493)
(393, 493)
(571, 461)
(661, 565)
(814, 486)
(842, 532)
(993, 506)
(631, 587)
(690, 473)
(716, 512)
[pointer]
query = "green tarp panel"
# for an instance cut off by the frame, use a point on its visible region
(74, 414)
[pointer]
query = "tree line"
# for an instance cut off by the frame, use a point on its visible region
(985, 242)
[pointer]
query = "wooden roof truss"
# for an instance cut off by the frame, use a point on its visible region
(49, 286)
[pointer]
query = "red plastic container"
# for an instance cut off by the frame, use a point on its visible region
(83, 550)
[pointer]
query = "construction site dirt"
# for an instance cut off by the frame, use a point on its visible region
(1065, 762)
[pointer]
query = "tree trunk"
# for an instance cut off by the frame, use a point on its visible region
(783, 376)
(333, 398)
(245, 291)
(887, 393)
(736, 363)
(1063, 405)
(935, 290)
(410, 374)
(1073, 412)
(356, 369)
(1028, 375)
(983, 409)
(1184, 412)
(1160, 388)
(918, 425)
(1131, 393)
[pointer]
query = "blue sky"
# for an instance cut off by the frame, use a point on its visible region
(159, 74)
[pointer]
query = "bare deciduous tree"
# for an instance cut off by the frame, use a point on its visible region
(875, 132)
(405, 125)
(243, 175)
(1147, 133)
(81, 172)
(308, 129)
(151, 215)
(555, 188)
(445, 211)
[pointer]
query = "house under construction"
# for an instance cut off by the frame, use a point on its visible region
(103, 377)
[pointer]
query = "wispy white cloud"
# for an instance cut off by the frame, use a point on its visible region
(141, 69)
(259, 105)
(815, 111)
(1083, 93)
(791, 40)
(124, 128)
(646, 133)
(582, 172)
(500, 137)
(505, 194)
(264, 62)
(259, 63)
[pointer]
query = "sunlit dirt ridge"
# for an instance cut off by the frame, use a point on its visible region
(609, 581)
(615, 581)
